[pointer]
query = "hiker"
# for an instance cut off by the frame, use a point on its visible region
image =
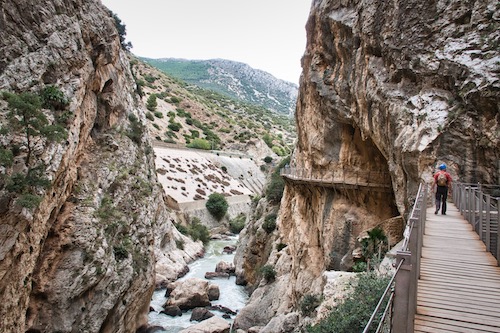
(442, 180)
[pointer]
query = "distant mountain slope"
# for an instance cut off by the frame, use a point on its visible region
(233, 79)
(185, 115)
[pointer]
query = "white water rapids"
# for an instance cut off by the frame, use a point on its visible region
(232, 296)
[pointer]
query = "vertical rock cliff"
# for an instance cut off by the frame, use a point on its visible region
(393, 87)
(82, 260)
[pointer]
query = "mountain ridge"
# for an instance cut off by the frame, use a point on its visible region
(233, 79)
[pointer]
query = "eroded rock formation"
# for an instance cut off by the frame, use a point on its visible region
(83, 259)
(388, 87)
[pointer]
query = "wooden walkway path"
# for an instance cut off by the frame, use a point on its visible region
(459, 285)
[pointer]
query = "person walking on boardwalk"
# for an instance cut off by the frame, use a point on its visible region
(442, 180)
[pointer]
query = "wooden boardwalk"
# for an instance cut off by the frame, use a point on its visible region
(459, 285)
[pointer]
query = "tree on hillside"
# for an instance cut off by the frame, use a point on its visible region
(217, 205)
(151, 103)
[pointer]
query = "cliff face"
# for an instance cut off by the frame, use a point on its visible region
(83, 259)
(393, 87)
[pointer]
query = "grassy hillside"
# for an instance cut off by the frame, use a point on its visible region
(186, 115)
(234, 80)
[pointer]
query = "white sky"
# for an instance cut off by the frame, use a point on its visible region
(265, 34)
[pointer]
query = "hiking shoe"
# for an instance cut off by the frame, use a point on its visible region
(444, 213)
(436, 212)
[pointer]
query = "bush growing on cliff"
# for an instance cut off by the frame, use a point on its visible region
(274, 191)
(309, 303)
(269, 224)
(27, 118)
(237, 224)
(268, 273)
(217, 205)
(353, 312)
(198, 231)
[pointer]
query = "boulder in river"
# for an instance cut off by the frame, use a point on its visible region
(215, 275)
(211, 325)
(172, 310)
(200, 314)
(225, 267)
(192, 293)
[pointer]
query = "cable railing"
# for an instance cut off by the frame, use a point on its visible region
(479, 205)
(365, 178)
(401, 291)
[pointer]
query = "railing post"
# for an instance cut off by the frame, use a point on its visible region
(402, 320)
(498, 232)
(480, 214)
(487, 221)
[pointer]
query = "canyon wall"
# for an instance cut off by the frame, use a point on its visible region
(391, 89)
(83, 259)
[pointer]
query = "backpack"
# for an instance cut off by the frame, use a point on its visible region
(442, 180)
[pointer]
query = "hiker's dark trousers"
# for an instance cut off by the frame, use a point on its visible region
(441, 195)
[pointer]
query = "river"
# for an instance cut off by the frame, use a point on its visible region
(232, 296)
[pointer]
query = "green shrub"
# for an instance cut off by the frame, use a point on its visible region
(175, 100)
(150, 116)
(200, 144)
(149, 78)
(268, 159)
(237, 224)
(353, 312)
(280, 246)
(309, 303)
(198, 231)
(268, 273)
(151, 103)
(278, 151)
(158, 114)
(223, 168)
(179, 243)
(136, 129)
(269, 224)
(29, 200)
(189, 121)
(274, 191)
(6, 157)
(120, 252)
(53, 98)
(175, 127)
(268, 140)
(217, 205)
(182, 229)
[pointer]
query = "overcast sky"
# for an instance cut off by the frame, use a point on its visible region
(265, 34)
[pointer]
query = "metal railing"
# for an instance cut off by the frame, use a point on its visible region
(478, 206)
(339, 176)
(401, 306)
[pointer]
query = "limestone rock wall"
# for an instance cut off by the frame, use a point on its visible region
(84, 259)
(395, 87)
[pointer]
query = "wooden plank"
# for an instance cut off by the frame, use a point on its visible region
(443, 265)
(459, 316)
(451, 288)
(462, 307)
(446, 325)
(461, 278)
(456, 299)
